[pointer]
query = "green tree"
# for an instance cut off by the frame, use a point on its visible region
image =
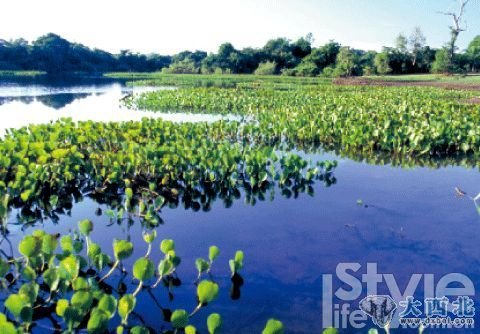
(382, 61)
(417, 43)
(303, 46)
(266, 68)
(280, 51)
(347, 62)
(442, 63)
(473, 53)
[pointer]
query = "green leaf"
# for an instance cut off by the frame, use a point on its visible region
(72, 316)
(85, 227)
(98, 321)
(82, 300)
(122, 249)
(179, 319)
(15, 303)
(370, 331)
(29, 246)
(149, 237)
(80, 283)
(239, 257)
(94, 250)
(190, 330)
(167, 245)
(213, 253)
(108, 304)
(69, 267)
(202, 265)
(273, 327)
(30, 291)
(165, 267)
(61, 306)
(26, 314)
(139, 330)
(126, 304)
(143, 269)
(207, 291)
(49, 244)
(214, 322)
(7, 327)
(66, 243)
(29, 274)
(51, 278)
(101, 260)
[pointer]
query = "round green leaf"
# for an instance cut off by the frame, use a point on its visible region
(167, 245)
(143, 269)
(165, 267)
(98, 321)
(82, 300)
(85, 227)
(29, 246)
(61, 306)
(108, 304)
(49, 244)
(126, 304)
(69, 267)
(190, 330)
(207, 291)
(15, 303)
(179, 319)
(80, 283)
(66, 243)
(122, 249)
(94, 250)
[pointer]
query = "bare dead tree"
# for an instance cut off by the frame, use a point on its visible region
(457, 26)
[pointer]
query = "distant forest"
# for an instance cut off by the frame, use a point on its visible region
(55, 55)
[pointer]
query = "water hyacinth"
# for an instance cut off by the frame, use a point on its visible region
(60, 280)
(151, 163)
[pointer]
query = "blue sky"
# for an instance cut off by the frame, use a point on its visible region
(171, 26)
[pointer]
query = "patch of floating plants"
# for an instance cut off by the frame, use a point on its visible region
(399, 120)
(66, 283)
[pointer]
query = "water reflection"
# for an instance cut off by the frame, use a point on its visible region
(57, 101)
(31, 102)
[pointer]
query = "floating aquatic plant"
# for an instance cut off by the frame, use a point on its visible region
(48, 279)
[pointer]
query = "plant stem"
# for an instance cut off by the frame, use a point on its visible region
(149, 249)
(110, 271)
(139, 287)
(157, 281)
(199, 306)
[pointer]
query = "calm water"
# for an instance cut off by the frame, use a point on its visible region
(410, 222)
(40, 101)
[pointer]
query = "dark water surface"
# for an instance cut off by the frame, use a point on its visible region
(410, 222)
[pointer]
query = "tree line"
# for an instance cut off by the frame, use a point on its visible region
(411, 54)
